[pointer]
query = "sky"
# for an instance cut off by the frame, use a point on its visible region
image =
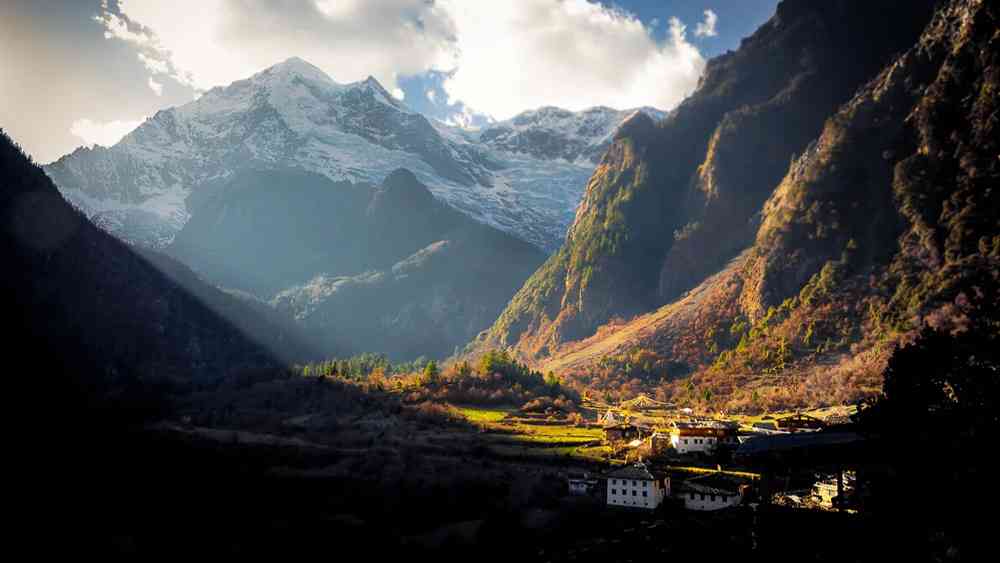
(83, 72)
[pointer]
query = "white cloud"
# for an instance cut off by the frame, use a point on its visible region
(155, 86)
(706, 27)
(116, 27)
(215, 42)
(154, 65)
(573, 54)
(102, 133)
(151, 51)
(506, 56)
(398, 93)
(431, 94)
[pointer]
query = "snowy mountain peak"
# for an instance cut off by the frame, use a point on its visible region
(372, 86)
(552, 132)
(524, 176)
(291, 67)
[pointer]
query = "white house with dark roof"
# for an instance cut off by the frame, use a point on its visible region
(713, 491)
(634, 486)
(702, 436)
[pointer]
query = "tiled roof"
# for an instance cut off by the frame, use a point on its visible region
(713, 483)
(637, 471)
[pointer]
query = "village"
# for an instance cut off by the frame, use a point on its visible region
(646, 456)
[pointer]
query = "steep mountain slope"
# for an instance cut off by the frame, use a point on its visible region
(889, 220)
(292, 115)
(261, 231)
(455, 281)
(672, 202)
(904, 175)
(428, 304)
(383, 269)
(100, 316)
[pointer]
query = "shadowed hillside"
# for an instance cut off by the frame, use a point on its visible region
(105, 319)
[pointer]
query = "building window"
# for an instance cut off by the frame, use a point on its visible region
(691, 495)
(713, 498)
(702, 495)
(645, 494)
(614, 481)
(614, 491)
(645, 484)
(633, 482)
(725, 498)
(633, 493)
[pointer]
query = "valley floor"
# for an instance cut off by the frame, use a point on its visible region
(163, 492)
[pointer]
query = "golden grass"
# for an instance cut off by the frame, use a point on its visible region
(482, 415)
(509, 435)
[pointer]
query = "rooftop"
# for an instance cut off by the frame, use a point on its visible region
(636, 471)
(713, 483)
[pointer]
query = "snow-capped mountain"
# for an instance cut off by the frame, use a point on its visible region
(524, 176)
(552, 133)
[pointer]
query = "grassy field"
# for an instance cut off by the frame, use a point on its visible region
(510, 434)
(482, 415)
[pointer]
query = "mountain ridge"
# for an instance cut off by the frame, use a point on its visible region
(294, 115)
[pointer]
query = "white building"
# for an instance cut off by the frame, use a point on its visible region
(692, 443)
(713, 491)
(701, 437)
(635, 487)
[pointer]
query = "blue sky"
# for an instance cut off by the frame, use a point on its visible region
(737, 18)
(75, 72)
